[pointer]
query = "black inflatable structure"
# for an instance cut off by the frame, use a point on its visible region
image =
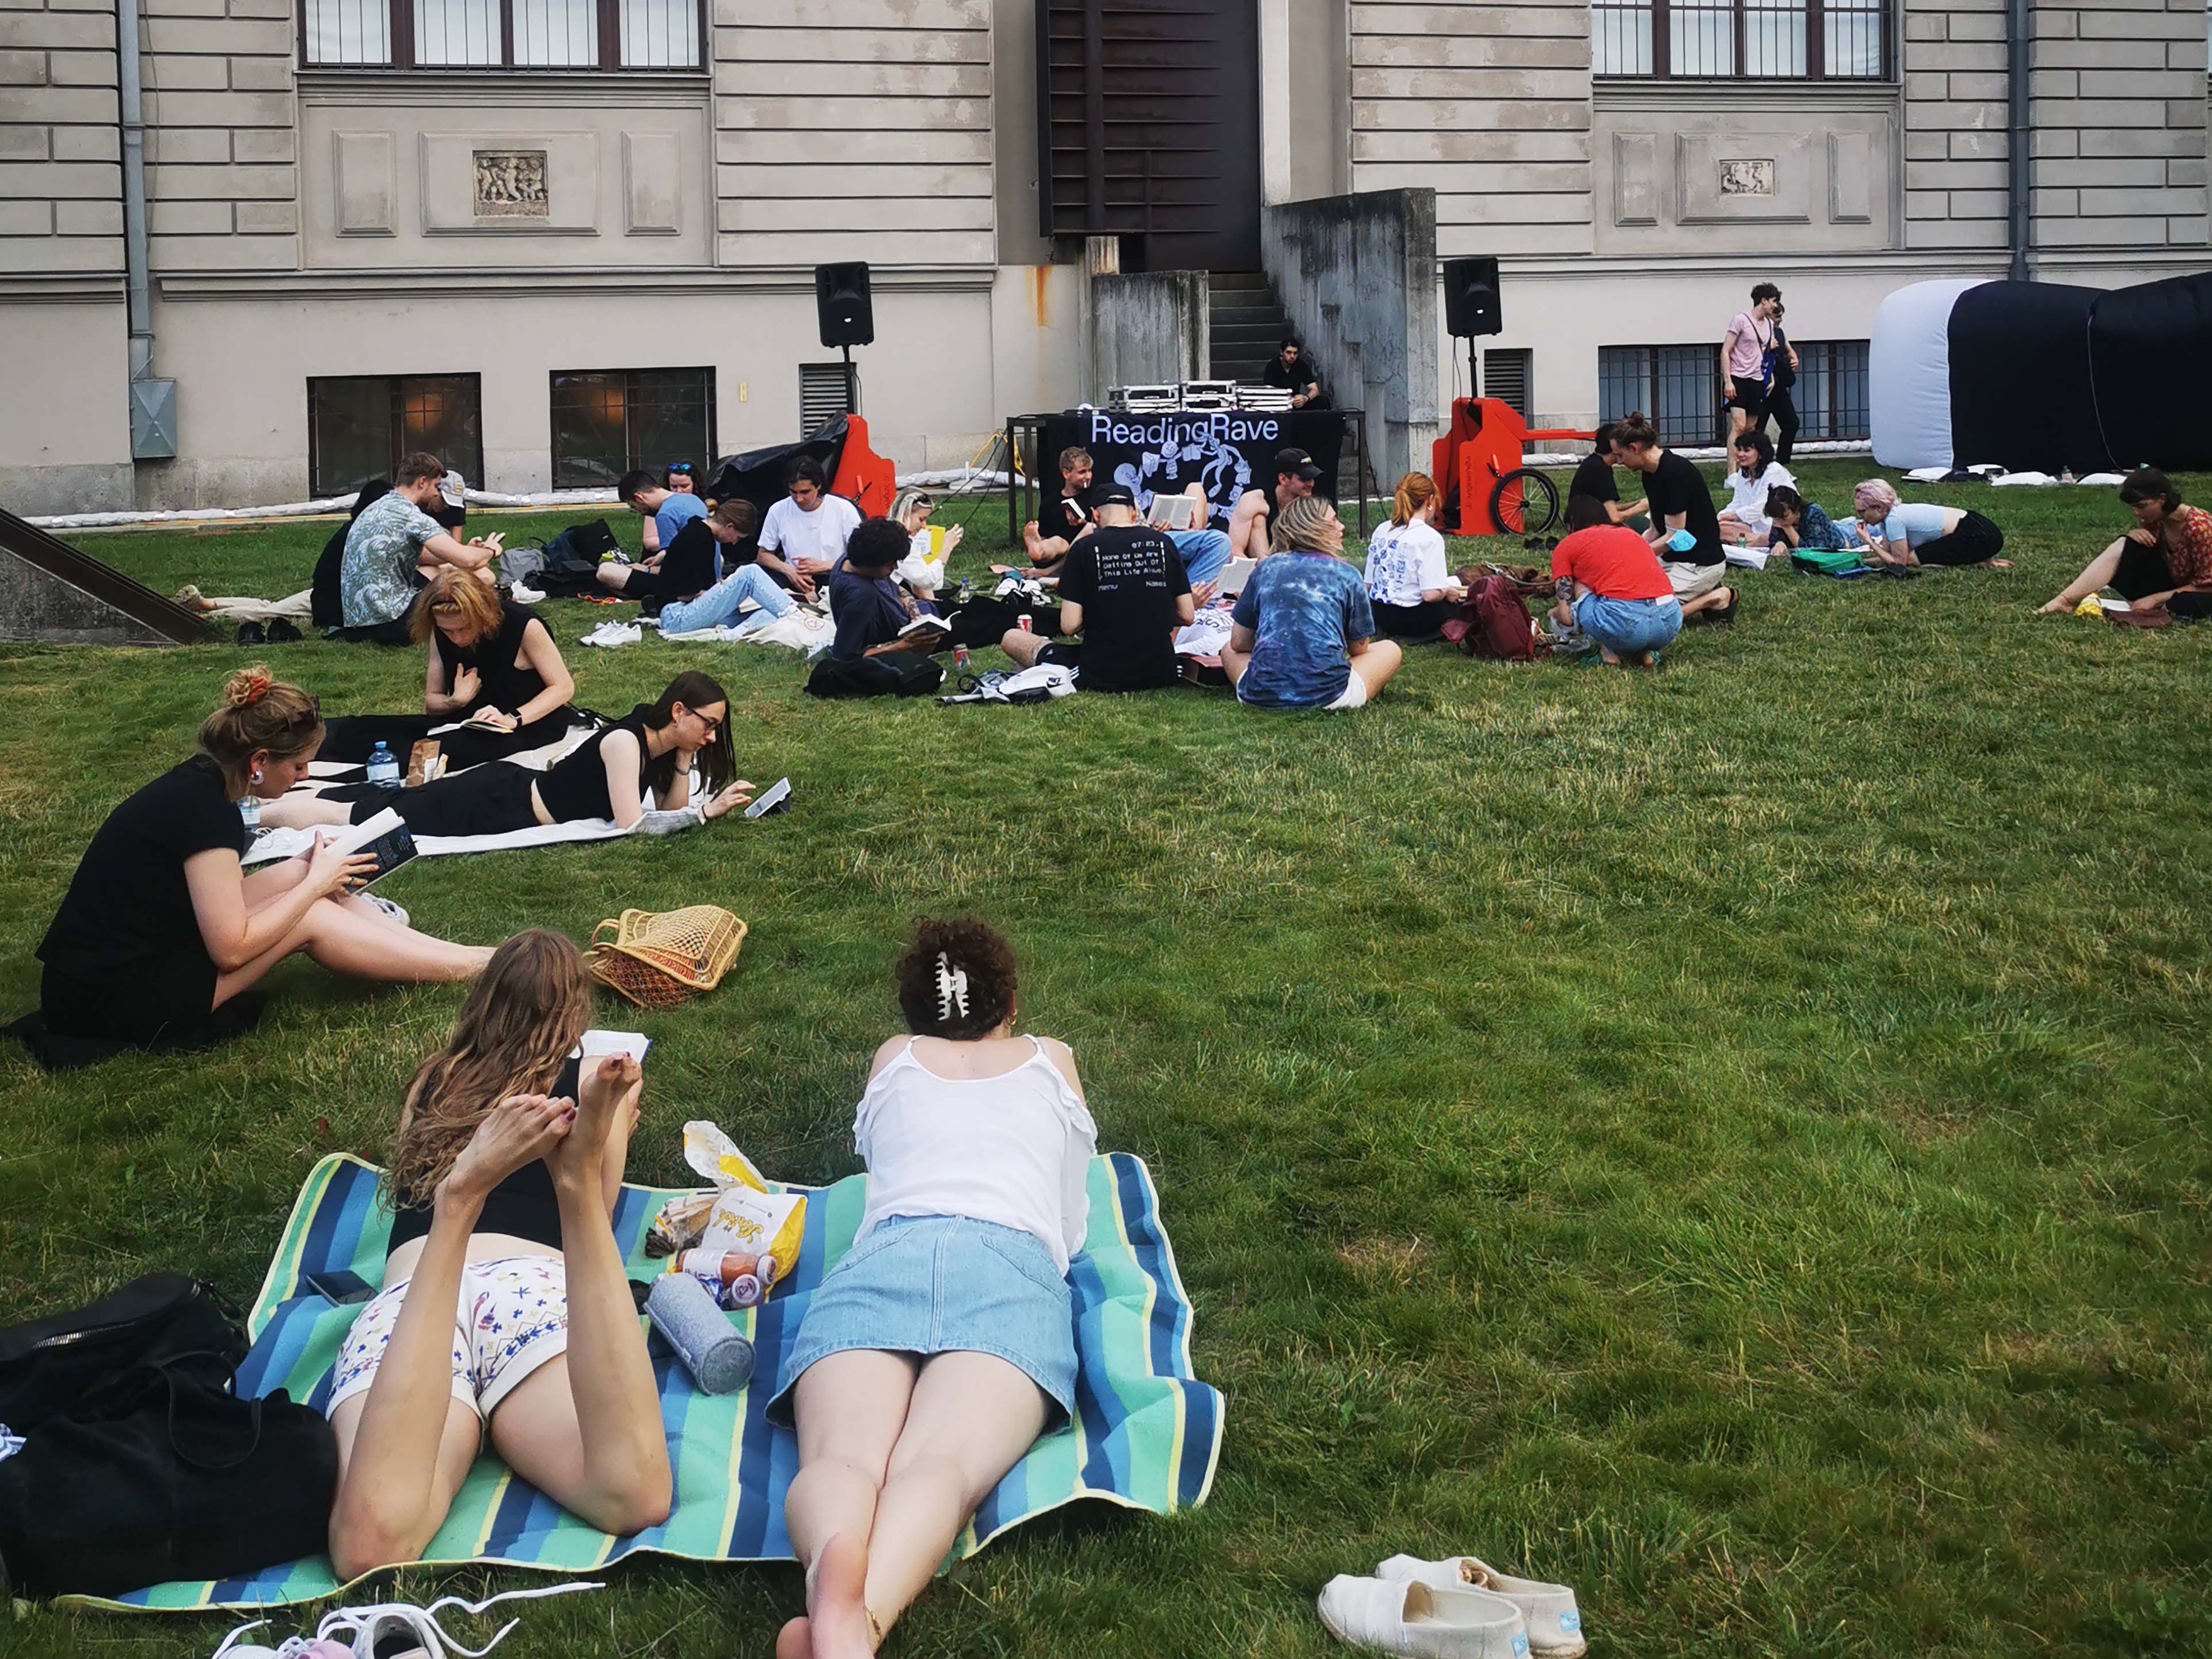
(2042, 376)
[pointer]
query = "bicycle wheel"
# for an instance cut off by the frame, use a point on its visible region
(1524, 502)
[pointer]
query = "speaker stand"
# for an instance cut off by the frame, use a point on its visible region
(851, 391)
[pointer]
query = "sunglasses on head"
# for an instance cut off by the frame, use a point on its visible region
(684, 467)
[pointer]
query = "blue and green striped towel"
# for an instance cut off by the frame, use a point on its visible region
(1145, 1433)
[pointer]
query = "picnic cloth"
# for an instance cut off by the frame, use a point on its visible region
(1145, 1433)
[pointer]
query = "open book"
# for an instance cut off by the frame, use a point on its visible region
(1236, 574)
(386, 835)
(926, 624)
(1176, 512)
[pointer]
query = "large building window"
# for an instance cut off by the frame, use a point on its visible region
(631, 34)
(1679, 386)
(606, 421)
(360, 425)
(1831, 393)
(1755, 39)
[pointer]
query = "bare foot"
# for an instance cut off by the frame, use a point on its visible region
(795, 1640)
(837, 1608)
(2000, 565)
(521, 1128)
(579, 1157)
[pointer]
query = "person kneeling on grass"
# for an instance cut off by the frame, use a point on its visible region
(2164, 563)
(491, 665)
(1610, 585)
(1302, 633)
(942, 1344)
(1124, 590)
(1798, 523)
(650, 748)
(1406, 573)
(162, 929)
(506, 1310)
(1921, 532)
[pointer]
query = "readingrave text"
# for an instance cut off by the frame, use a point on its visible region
(1220, 428)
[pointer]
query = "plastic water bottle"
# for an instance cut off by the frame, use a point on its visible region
(249, 808)
(383, 765)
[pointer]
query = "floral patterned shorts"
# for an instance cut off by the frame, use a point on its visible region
(512, 1318)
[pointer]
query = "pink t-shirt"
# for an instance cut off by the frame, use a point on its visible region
(1752, 338)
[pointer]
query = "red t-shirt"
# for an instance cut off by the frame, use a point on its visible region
(1612, 562)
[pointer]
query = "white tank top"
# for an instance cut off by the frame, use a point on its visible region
(1014, 1149)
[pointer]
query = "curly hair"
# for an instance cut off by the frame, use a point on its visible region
(521, 1018)
(956, 979)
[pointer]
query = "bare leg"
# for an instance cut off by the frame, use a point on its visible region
(1023, 646)
(2098, 575)
(972, 1417)
(1248, 527)
(300, 810)
(849, 1408)
(612, 573)
(585, 1428)
(1719, 600)
(1234, 663)
(361, 945)
(403, 1454)
(1381, 659)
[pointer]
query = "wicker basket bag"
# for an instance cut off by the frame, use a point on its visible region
(659, 958)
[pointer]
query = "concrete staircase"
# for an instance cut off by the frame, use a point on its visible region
(1247, 322)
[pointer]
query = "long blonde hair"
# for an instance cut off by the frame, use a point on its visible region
(521, 1018)
(1302, 524)
(459, 591)
(1415, 491)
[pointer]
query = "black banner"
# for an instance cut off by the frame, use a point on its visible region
(1228, 451)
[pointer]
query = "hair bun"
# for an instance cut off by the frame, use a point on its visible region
(247, 686)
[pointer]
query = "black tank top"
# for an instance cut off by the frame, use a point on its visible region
(505, 679)
(524, 1205)
(576, 788)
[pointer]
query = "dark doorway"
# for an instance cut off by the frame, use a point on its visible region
(1148, 125)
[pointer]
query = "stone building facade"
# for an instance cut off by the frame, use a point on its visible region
(569, 265)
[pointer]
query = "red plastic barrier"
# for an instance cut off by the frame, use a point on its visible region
(1484, 442)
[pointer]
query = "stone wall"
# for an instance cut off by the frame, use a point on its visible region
(1357, 274)
(61, 174)
(1145, 329)
(222, 189)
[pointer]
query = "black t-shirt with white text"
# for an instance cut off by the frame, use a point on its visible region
(1593, 478)
(1675, 486)
(129, 907)
(1128, 579)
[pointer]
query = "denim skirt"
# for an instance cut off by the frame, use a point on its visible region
(929, 1285)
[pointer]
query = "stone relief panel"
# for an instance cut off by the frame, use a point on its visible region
(510, 184)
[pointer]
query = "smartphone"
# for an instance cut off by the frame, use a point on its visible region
(776, 798)
(341, 1286)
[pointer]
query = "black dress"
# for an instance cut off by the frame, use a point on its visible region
(506, 681)
(495, 799)
(124, 959)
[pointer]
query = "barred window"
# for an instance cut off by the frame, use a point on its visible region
(606, 421)
(631, 34)
(360, 425)
(1679, 386)
(1754, 40)
(1831, 393)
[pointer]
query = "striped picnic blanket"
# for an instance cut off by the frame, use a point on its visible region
(1145, 1433)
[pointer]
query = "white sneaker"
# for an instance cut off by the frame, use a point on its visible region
(1417, 1619)
(1555, 1624)
(396, 912)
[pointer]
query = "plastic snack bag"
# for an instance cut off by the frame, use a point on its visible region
(746, 1218)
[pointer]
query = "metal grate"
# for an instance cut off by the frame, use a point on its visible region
(639, 35)
(359, 426)
(449, 33)
(1677, 385)
(1831, 393)
(348, 32)
(822, 395)
(556, 33)
(608, 420)
(1762, 40)
(1505, 376)
(660, 34)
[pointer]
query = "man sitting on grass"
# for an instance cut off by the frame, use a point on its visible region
(868, 606)
(1296, 475)
(1302, 633)
(1609, 584)
(1124, 590)
(805, 532)
(394, 547)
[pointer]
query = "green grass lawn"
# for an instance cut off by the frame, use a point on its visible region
(1733, 1138)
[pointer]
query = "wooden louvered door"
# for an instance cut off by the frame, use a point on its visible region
(1148, 123)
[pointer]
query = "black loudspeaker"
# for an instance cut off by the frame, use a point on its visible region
(1472, 305)
(847, 316)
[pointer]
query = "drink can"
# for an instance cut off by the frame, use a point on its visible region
(960, 657)
(1023, 623)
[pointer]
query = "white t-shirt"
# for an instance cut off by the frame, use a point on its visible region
(1747, 496)
(822, 534)
(1015, 1150)
(1401, 561)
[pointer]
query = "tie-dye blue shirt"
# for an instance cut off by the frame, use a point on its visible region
(1303, 610)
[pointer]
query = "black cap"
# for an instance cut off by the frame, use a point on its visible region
(1297, 461)
(1113, 495)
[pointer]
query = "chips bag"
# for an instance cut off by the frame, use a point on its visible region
(746, 1217)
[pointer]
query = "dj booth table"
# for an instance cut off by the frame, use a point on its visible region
(1229, 451)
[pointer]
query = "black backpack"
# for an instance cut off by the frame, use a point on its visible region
(894, 674)
(571, 560)
(140, 1464)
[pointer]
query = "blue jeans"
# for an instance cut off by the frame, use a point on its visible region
(1204, 553)
(1629, 628)
(718, 604)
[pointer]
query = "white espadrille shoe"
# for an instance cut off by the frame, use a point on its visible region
(1417, 1619)
(1555, 1624)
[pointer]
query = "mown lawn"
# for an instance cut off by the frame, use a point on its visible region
(1733, 1138)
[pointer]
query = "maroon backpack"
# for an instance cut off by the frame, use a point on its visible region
(1494, 622)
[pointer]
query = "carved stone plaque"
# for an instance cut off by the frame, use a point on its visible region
(510, 184)
(1747, 177)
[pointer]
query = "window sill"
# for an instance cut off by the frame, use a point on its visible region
(1638, 92)
(355, 85)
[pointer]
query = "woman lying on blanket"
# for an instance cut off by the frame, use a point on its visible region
(491, 665)
(161, 930)
(652, 748)
(505, 1308)
(942, 1344)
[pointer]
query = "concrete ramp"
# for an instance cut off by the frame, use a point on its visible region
(51, 593)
